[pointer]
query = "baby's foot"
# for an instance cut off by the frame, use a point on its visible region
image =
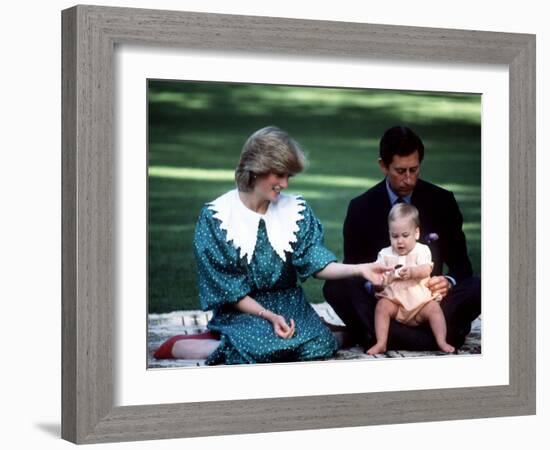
(376, 348)
(447, 348)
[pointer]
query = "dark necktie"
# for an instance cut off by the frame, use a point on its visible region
(399, 200)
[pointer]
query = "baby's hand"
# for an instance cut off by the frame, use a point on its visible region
(405, 273)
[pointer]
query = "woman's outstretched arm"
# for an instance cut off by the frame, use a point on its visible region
(336, 271)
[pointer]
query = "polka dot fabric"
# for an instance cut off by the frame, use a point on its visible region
(224, 278)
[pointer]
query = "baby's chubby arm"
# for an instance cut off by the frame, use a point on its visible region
(415, 272)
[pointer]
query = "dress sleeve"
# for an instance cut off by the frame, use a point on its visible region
(380, 257)
(310, 254)
(423, 255)
(222, 275)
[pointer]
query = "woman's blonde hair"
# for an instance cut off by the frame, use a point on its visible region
(404, 210)
(268, 150)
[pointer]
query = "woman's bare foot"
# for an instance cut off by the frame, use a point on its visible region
(447, 348)
(376, 348)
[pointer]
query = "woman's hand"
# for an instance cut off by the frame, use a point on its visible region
(280, 327)
(250, 306)
(374, 272)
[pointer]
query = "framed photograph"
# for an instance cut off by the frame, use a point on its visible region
(96, 367)
(189, 164)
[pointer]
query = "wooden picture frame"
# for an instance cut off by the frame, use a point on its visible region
(90, 34)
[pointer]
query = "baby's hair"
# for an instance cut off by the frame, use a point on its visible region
(404, 210)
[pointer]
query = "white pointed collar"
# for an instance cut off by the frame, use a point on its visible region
(241, 223)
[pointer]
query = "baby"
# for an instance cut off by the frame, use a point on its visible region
(404, 296)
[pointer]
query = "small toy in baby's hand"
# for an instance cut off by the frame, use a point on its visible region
(396, 272)
(391, 275)
(401, 272)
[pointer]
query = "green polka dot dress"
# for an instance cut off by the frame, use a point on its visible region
(226, 275)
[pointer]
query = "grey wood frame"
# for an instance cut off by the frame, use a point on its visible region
(90, 34)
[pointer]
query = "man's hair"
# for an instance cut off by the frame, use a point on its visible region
(268, 150)
(401, 141)
(404, 210)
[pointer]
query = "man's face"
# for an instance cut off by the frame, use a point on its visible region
(402, 173)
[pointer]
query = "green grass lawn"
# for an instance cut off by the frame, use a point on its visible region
(196, 132)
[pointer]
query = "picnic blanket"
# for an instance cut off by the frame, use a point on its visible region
(163, 326)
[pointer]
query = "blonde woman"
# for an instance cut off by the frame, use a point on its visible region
(253, 245)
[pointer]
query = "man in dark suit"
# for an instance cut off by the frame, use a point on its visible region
(366, 233)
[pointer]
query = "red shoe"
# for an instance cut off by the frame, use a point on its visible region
(165, 350)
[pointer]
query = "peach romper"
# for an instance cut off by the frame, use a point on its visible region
(412, 294)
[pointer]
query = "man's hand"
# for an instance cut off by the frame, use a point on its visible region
(439, 285)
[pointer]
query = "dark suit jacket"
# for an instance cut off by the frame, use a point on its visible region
(366, 227)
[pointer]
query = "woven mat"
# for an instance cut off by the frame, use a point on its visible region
(163, 326)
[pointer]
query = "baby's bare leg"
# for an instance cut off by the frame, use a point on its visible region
(432, 313)
(384, 312)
